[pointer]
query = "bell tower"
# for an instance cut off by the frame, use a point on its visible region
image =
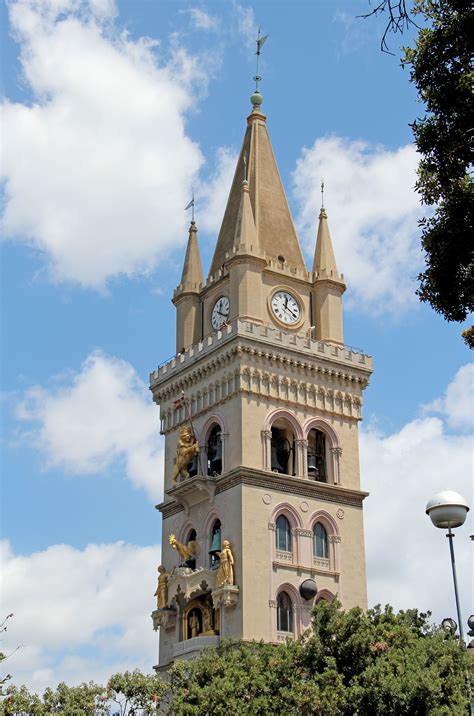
(260, 407)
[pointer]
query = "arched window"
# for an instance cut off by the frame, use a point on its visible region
(317, 460)
(320, 541)
(283, 534)
(283, 448)
(284, 613)
(215, 543)
(214, 451)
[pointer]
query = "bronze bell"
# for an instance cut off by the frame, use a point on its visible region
(215, 458)
(281, 451)
(312, 464)
(215, 544)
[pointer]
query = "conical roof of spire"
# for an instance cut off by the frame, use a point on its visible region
(324, 259)
(192, 276)
(245, 239)
(274, 226)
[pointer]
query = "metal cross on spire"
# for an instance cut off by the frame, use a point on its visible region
(261, 39)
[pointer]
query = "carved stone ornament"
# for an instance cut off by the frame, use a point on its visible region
(340, 513)
(304, 533)
(165, 618)
(189, 583)
(226, 596)
(334, 538)
(193, 491)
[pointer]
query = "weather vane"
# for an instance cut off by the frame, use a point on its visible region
(322, 194)
(191, 206)
(261, 39)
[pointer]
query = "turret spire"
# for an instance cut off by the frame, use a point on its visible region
(192, 276)
(324, 260)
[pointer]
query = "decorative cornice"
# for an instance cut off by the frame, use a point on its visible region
(278, 483)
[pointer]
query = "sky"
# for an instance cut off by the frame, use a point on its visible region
(113, 113)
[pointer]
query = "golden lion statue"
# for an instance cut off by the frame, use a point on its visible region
(187, 448)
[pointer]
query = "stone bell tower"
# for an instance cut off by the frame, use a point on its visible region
(260, 408)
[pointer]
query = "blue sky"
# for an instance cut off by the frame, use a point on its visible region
(113, 112)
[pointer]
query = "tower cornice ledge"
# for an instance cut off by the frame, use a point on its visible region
(272, 339)
(285, 484)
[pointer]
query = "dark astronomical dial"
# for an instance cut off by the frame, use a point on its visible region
(285, 307)
(220, 312)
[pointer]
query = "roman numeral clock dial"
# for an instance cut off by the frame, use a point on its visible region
(285, 307)
(220, 312)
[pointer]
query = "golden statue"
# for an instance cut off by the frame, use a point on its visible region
(187, 552)
(162, 588)
(225, 573)
(207, 629)
(187, 448)
(194, 624)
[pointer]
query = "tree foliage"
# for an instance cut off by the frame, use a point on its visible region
(441, 69)
(351, 663)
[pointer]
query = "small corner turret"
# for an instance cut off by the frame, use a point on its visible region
(328, 286)
(186, 295)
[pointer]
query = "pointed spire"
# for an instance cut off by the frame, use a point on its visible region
(192, 276)
(324, 260)
(246, 239)
(273, 222)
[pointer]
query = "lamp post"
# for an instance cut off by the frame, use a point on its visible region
(448, 510)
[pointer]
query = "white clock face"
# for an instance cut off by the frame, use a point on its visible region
(220, 312)
(285, 307)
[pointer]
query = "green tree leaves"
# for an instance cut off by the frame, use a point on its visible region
(354, 663)
(441, 69)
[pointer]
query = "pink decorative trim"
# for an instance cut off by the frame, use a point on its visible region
(285, 415)
(325, 427)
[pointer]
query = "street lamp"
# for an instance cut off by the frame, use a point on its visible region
(448, 510)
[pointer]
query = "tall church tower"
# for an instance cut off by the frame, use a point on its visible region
(260, 408)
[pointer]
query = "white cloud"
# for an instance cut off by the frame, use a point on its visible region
(373, 212)
(99, 164)
(407, 558)
(246, 23)
(215, 192)
(458, 400)
(75, 614)
(89, 420)
(202, 20)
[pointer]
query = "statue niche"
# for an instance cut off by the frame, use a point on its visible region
(199, 618)
(187, 449)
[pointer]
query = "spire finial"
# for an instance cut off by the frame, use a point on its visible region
(323, 210)
(257, 99)
(191, 206)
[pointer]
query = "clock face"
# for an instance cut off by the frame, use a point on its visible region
(285, 307)
(220, 312)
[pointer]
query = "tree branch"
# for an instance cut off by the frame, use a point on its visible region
(399, 19)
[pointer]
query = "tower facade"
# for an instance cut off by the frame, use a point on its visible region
(262, 515)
